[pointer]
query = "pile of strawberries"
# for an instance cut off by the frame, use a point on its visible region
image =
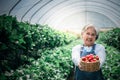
(90, 58)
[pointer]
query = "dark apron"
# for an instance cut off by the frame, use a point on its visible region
(83, 75)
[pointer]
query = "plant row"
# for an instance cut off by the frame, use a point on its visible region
(111, 37)
(111, 40)
(21, 40)
(56, 64)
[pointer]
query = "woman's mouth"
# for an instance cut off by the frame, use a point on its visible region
(89, 40)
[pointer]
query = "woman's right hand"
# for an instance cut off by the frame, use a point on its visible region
(79, 65)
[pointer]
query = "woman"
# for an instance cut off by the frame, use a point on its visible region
(89, 35)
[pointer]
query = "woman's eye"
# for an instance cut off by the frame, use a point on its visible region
(93, 34)
(90, 34)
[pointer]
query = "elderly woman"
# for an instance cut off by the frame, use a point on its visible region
(89, 35)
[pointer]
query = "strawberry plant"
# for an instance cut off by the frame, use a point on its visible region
(20, 42)
(10, 43)
(111, 37)
(111, 68)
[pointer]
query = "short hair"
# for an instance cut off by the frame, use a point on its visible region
(91, 25)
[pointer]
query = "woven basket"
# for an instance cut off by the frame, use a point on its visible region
(90, 66)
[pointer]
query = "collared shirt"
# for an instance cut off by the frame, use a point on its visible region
(99, 51)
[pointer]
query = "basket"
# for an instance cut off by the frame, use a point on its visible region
(90, 66)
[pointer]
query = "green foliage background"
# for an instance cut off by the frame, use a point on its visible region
(111, 41)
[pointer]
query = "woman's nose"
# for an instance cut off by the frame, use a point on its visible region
(90, 36)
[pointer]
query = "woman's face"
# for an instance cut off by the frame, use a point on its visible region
(89, 36)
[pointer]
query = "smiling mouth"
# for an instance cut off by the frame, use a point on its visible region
(89, 40)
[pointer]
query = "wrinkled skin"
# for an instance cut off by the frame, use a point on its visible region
(89, 36)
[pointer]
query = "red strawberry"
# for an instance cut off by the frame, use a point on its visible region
(91, 55)
(94, 60)
(87, 56)
(84, 59)
(96, 57)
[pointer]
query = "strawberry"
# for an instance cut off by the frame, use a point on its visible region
(91, 55)
(96, 57)
(84, 59)
(87, 56)
(94, 60)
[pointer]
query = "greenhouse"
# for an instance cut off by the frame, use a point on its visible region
(37, 37)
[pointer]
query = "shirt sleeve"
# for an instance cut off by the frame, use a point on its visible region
(76, 55)
(100, 51)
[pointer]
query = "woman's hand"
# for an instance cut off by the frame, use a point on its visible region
(79, 65)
